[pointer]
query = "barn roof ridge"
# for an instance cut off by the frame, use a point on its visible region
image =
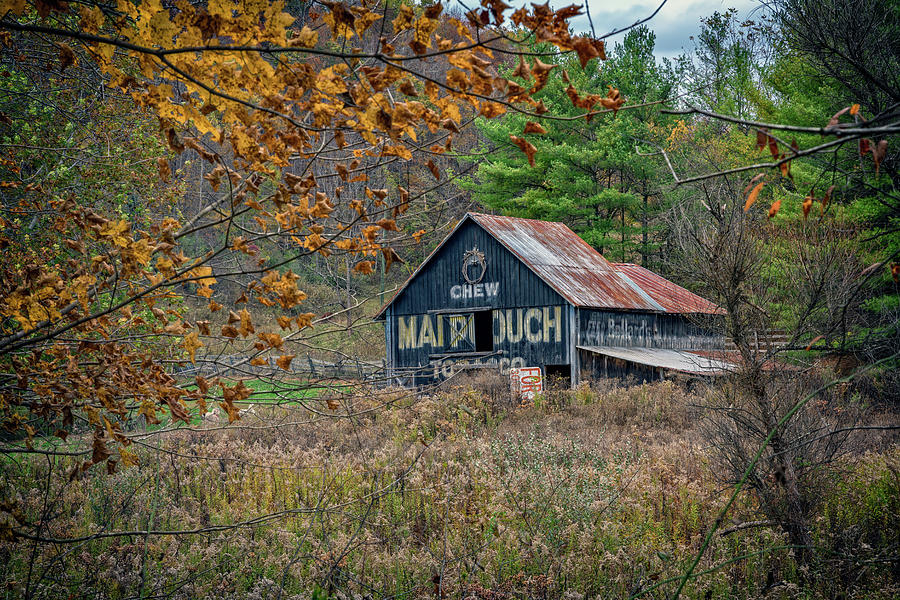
(574, 269)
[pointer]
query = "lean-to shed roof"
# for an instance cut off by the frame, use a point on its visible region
(576, 271)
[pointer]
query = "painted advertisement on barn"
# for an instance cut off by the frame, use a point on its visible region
(647, 330)
(441, 344)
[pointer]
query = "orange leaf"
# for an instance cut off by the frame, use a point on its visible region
(364, 267)
(751, 198)
(773, 210)
(854, 109)
(814, 340)
(807, 205)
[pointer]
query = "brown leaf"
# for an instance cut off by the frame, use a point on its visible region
(762, 139)
(586, 50)
(895, 272)
(66, 57)
(753, 181)
(541, 72)
(229, 331)
(284, 362)
(525, 146)
(773, 210)
(522, 70)
(836, 117)
(434, 170)
(192, 343)
(532, 127)
(751, 198)
(826, 198)
(865, 145)
(773, 147)
(390, 257)
(878, 154)
(165, 172)
(387, 224)
(813, 341)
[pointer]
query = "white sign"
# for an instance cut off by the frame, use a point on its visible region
(526, 382)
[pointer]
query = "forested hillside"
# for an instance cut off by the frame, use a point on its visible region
(203, 205)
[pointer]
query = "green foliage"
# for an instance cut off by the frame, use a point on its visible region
(587, 173)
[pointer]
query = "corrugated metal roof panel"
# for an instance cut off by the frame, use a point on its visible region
(674, 298)
(567, 263)
(577, 271)
(674, 360)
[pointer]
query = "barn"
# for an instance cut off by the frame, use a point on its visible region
(501, 292)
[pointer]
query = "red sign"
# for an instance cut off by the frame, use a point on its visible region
(526, 382)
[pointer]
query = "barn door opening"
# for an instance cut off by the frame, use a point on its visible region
(484, 331)
(470, 332)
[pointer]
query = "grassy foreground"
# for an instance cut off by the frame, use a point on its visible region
(589, 494)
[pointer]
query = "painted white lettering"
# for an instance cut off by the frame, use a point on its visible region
(552, 322)
(456, 292)
(492, 288)
(478, 290)
(499, 328)
(533, 334)
(406, 332)
(514, 334)
(426, 334)
(467, 292)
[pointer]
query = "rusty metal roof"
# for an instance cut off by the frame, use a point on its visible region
(577, 271)
(674, 298)
(672, 360)
(567, 263)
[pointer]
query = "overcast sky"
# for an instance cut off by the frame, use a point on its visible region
(675, 23)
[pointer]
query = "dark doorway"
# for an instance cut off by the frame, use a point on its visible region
(484, 331)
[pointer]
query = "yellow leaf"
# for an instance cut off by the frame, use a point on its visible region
(192, 343)
(246, 327)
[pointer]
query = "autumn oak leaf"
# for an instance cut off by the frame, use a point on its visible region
(525, 146)
(532, 127)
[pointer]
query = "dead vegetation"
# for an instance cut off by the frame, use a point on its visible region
(584, 493)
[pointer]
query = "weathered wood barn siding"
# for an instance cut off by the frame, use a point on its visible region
(530, 322)
(646, 330)
(535, 294)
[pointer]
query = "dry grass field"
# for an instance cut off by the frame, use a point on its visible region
(592, 493)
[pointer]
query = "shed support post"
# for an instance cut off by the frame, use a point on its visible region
(574, 360)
